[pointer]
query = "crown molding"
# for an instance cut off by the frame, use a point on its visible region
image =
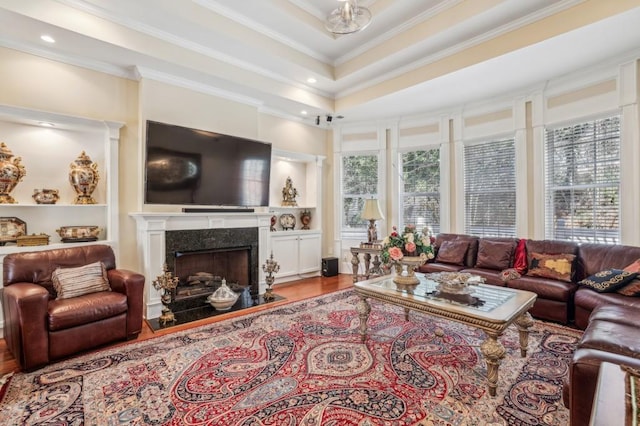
(185, 43)
(93, 65)
(460, 47)
(143, 72)
(228, 13)
(441, 7)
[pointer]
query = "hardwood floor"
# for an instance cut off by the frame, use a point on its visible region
(291, 291)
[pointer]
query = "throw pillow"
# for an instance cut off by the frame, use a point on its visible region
(509, 274)
(555, 266)
(452, 252)
(634, 267)
(632, 288)
(608, 280)
(494, 254)
(520, 257)
(73, 282)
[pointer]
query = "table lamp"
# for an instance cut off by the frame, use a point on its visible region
(372, 212)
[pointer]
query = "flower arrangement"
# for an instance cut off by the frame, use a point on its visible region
(409, 243)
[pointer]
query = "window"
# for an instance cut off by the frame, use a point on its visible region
(583, 181)
(420, 189)
(490, 189)
(359, 182)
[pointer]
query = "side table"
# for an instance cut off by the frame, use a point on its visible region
(372, 262)
(609, 408)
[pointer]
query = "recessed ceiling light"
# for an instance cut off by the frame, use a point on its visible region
(303, 112)
(311, 80)
(47, 38)
(46, 124)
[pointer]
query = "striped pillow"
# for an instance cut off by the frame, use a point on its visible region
(73, 282)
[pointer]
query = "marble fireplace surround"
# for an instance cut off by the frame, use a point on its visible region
(152, 250)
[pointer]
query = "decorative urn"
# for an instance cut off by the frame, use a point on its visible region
(11, 172)
(84, 178)
(305, 219)
(223, 298)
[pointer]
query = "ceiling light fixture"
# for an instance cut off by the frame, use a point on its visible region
(47, 38)
(311, 80)
(348, 18)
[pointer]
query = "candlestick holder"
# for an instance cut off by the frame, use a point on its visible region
(165, 284)
(270, 267)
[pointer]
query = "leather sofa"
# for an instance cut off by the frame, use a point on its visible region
(611, 336)
(610, 320)
(562, 301)
(40, 328)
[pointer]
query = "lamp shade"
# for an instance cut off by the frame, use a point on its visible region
(371, 210)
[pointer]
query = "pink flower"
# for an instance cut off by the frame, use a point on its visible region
(395, 253)
(410, 247)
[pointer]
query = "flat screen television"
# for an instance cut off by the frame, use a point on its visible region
(196, 167)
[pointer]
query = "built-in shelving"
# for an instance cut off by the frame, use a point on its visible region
(46, 154)
(297, 250)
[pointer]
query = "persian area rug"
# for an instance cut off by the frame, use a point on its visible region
(303, 364)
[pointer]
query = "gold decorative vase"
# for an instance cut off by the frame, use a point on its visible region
(406, 268)
(11, 172)
(84, 178)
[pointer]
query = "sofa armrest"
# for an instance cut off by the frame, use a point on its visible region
(131, 284)
(25, 323)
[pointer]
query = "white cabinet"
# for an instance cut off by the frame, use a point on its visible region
(298, 253)
(309, 253)
(47, 144)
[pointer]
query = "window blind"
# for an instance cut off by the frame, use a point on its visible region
(359, 181)
(583, 181)
(420, 189)
(490, 188)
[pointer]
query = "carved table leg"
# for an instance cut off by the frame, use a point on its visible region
(493, 352)
(367, 263)
(376, 269)
(524, 322)
(406, 314)
(355, 262)
(363, 308)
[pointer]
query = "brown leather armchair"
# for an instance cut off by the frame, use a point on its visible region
(39, 328)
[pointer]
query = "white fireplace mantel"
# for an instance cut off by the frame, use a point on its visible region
(151, 227)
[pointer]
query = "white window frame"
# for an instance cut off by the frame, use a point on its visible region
(357, 233)
(486, 231)
(435, 227)
(595, 235)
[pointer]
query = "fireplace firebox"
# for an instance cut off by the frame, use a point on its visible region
(201, 258)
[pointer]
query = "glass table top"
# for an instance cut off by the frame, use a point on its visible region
(482, 297)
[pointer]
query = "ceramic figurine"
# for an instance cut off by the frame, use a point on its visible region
(289, 194)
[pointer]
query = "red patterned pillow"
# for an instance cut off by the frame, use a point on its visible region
(554, 266)
(633, 288)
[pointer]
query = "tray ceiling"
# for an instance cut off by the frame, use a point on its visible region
(415, 57)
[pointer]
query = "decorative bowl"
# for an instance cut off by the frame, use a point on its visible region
(78, 233)
(45, 196)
